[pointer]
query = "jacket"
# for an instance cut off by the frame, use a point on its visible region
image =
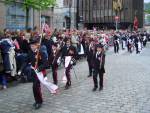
(42, 60)
(99, 62)
(65, 51)
(53, 58)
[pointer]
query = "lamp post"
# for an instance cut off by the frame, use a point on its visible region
(77, 15)
(116, 19)
(70, 3)
(117, 7)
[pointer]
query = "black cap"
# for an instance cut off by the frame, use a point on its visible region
(54, 44)
(72, 48)
(67, 39)
(99, 46)
(34, 40)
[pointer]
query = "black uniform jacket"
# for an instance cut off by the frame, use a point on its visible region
(99, 62)
(54, 57)
(43, 59)
(65, 51)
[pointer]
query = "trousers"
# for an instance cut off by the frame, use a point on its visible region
(90, 67)
(67, 71)
(37, 89)
(101, 74)
(54, 72)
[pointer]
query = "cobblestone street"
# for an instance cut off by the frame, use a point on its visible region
(126, 89)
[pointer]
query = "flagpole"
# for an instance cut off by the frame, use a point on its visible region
(40, 21)
(116, 25)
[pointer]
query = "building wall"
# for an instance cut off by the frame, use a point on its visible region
(61, 11)
(101, 11)
(2, 16)
(55, 17)
(48, 15)
(13, 17)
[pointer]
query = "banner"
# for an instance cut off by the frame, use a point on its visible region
(136, 24)
(51, 87)
(67, 61)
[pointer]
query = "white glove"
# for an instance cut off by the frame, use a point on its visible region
(71, 62)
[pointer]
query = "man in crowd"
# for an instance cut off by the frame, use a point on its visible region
(99, 62)
(116, 43)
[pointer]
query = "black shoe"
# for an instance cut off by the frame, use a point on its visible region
(69, 83)
(55, 83)
(89, 75)
(94, 89)
(67, 87)
(34, 104)
(101, 88)
(38, 106)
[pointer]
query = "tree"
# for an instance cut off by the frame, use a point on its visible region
(35, 4)
(147, 11)
(147, 8)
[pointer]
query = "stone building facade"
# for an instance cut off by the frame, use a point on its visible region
(101, 13)
(13, 17)
(65, 10)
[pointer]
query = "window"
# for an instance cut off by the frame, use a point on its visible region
(94, 4)
(67, 3)
(15, 18)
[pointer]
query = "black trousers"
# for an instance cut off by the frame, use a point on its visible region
(37, 89)
(68, 76)
(137, 49)
(101, 74)
(54, 72)
(144, 43)
(130, 48)
(90, 67)
(116, 48)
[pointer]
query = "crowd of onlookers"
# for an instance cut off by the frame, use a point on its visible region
(14, 45)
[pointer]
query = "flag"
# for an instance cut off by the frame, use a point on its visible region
(67, 61)
(136, 24)
(51, 87)
(46, 29)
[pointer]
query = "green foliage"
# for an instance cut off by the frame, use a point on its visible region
(147, 8)
(35, 4)
(147, 11)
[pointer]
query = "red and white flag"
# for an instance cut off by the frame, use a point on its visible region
(51, 87)
(46, 29)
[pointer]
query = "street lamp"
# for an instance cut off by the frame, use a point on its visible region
(117, 7)
(77, 16)
(70, 14)
(116, 19)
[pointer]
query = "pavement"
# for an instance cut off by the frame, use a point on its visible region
(126, 89)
